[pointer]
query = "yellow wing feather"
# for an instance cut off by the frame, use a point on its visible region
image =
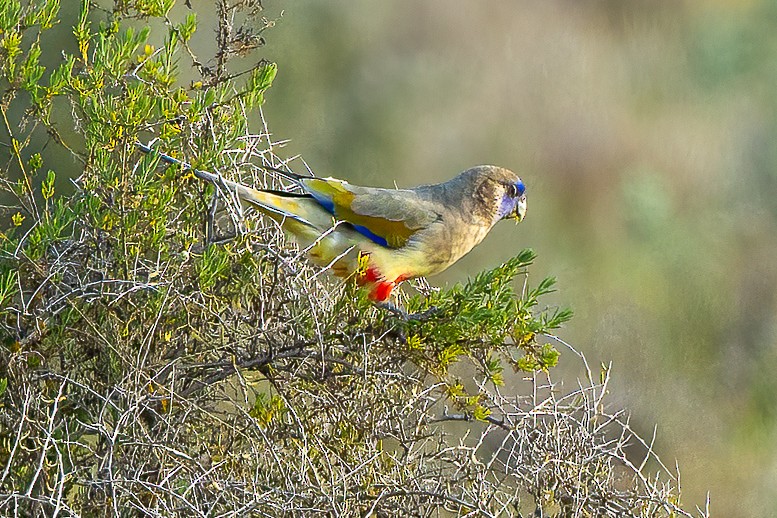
(390, 215)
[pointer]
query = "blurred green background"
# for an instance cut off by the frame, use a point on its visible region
(646, 133)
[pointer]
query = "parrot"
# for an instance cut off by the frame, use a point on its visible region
(382, 237)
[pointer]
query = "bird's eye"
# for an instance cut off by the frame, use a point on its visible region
(516, 189)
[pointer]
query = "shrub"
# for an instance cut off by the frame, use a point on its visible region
(164, 354)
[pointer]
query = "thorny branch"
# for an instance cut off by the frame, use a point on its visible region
(224, 376)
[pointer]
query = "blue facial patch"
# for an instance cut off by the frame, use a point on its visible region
(520, 187)
(506, 207)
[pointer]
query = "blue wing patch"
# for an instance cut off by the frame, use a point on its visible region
(370, 235)
(325, 202)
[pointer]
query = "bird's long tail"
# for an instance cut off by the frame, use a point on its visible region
(280, 205)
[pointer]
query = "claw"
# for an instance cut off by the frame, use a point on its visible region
(400, 313)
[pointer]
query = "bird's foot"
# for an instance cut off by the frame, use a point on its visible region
(421, 316)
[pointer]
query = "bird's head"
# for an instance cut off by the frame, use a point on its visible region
(499, 192)
(514, 201)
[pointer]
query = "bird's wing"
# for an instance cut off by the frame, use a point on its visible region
(389, 217)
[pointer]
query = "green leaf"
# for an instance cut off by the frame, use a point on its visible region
(10, 11)
(154, 8)
(8, 287)
(11, 47)
(36, 161)
(258, 81)
(554, 321)
(549, 356)
(527, 363)
(60, 76)
(47, 15)
(480, 412)
(188, 27)
(213, 266)
(47, 187)
(81, 30)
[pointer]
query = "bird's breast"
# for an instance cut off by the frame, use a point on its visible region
(429, 252)
(452, 243)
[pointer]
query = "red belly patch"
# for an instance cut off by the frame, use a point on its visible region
(381, 291)
(370, 275)
(382, 288)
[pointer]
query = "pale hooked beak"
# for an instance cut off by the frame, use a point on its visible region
(520, 209)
